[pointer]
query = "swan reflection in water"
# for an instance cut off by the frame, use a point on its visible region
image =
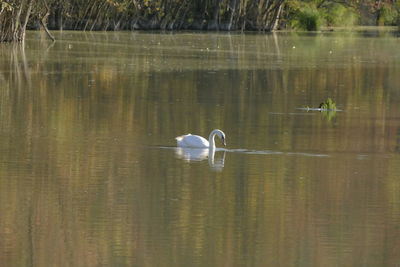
(199, 154)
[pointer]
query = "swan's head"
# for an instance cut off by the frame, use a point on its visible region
(221, 135)
(223, 139)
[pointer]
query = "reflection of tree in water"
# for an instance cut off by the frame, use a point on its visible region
(328, 114)
(70, 171)
(15, 63)
(397, 149)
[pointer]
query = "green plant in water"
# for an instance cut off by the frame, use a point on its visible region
(328, 109)
(329, 104)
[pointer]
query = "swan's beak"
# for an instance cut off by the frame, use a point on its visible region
(223, 141)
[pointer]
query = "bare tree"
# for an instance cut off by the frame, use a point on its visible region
(14, 17)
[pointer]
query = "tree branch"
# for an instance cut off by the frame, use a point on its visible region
(43, 21)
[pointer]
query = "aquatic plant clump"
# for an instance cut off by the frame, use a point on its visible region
(329, 104)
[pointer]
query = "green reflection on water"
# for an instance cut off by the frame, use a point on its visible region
(83, 180)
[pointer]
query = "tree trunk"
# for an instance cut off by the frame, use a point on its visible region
(232, 11)
(213, 24)
(43, 21)
(13, 20)
(276, 19)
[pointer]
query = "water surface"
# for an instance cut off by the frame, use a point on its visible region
(90, 176)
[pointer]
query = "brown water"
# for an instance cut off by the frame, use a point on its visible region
(90, 176)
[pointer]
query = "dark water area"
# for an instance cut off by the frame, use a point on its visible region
(90, 174)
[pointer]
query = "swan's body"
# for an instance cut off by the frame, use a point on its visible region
(196, 141)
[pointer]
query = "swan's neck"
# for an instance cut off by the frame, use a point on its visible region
(211, 141)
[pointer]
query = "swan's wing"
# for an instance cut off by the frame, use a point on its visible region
(190, 140)
(195, 141)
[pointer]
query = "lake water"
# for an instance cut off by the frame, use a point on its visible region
(90, 176)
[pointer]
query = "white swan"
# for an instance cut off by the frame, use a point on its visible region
(195, 141)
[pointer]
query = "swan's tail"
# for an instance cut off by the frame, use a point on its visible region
(179, 138)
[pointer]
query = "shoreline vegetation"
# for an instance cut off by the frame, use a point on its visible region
(16, 16)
